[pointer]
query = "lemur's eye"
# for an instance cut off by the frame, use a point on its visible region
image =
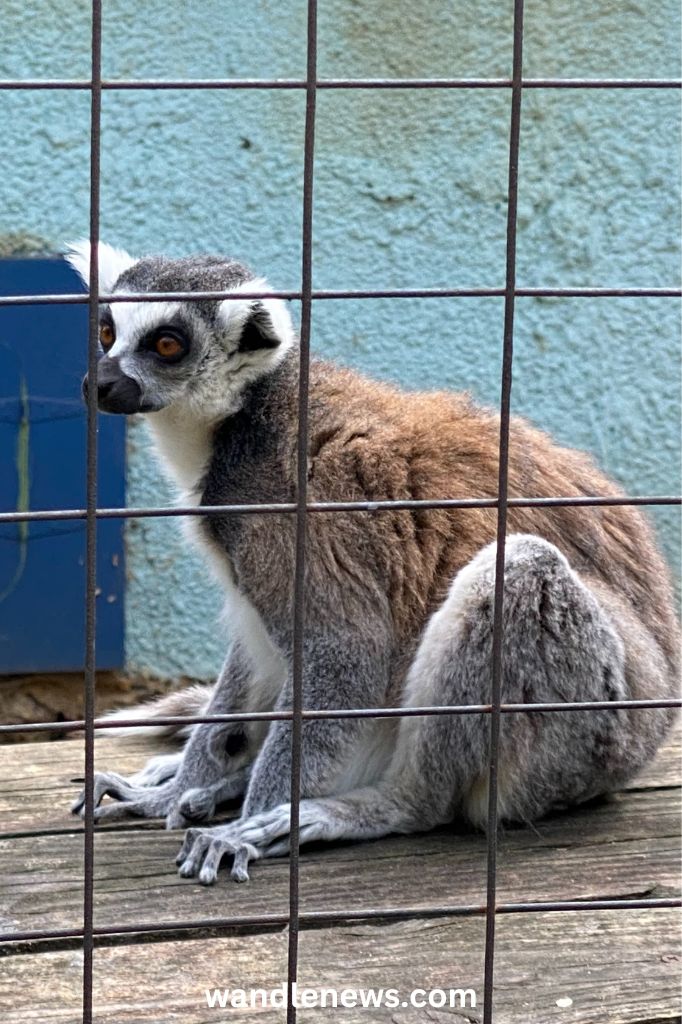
(235, 743)
(167, 342)
(106, 336)
(169, 347)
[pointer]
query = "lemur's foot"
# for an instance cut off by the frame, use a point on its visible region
(204, 848)
(171, 799)
(156, 772)
(133, 800)
(262, 835)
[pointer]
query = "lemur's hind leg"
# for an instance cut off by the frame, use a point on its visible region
(213, 767)
(563, 641)
(192, 700)
(559, 645)
(162, 767)
(157, 770)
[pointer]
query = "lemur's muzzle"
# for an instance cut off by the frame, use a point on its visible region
(116, 392)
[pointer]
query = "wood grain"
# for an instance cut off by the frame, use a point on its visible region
(617, 966)
(38, 784)
(622, 850)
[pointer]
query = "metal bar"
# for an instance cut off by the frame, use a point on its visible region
(541, 292)
(301, 502)
(301, 508)
(91, 516)
(315, 714)
(596, 293)
(502, 494)
(113, 84)
(289, 508)
(321, 918)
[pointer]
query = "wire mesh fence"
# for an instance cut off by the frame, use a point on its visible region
(301, 508)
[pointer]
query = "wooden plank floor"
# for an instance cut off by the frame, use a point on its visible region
(619, 966)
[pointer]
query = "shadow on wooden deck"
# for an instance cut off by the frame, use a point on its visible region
(593, 967)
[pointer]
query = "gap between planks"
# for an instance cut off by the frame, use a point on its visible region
(624, 848)
(615, 966)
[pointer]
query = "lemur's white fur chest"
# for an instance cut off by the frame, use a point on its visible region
(183, 443)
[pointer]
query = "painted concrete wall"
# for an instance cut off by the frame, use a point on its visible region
(410, 189)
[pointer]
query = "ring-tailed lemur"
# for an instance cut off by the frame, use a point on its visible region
(398, 605)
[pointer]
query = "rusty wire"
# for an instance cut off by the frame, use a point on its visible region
(91, 935)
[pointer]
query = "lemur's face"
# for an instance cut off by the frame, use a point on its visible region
(196, 356)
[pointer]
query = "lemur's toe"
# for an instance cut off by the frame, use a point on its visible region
(114, 812)
(240, 867)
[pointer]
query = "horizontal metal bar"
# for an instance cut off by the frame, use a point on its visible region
(607, 292)
(112, 84)
(81, 298)
(314, 714)
(601, 83)
(289, 508)
(597, 293)
(322, 918)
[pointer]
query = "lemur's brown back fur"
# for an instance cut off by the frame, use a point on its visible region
(370, 441)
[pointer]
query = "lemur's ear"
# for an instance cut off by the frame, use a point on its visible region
(268, 326)
(111, 262)
(255, 325)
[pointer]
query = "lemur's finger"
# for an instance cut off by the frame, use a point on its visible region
(214, 855)
(129, 801)
(242, 857)
(187, 844)
(150, 788)
(190, 863)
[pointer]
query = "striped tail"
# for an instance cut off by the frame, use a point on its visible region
(192, 700)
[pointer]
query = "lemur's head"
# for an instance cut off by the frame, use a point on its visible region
(197, 355)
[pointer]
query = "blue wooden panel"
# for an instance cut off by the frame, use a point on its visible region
(43, 352)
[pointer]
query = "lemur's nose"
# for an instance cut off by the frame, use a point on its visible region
(116, 392)
(104, 388)
(106, 379)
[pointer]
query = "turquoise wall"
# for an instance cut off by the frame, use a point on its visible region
(410, 189)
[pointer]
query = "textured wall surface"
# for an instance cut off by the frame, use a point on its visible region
(410, 189)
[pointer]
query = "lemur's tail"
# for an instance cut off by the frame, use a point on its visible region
(192, 700)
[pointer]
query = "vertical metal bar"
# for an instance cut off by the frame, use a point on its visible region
(502, 489)
(301, 500)
(91, 506)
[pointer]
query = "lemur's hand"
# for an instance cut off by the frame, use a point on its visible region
(204, 848)
(245, 840)
(252, 838)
